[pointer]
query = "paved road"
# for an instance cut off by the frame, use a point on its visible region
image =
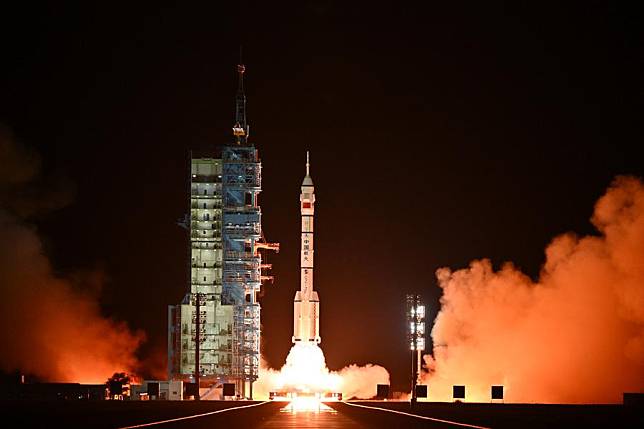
(259, 416)
(242, 415)
(434, 416)
(271, 415)
(497, 416)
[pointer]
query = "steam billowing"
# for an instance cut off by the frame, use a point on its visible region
(576, 335)
(305, 370)
(51, 326)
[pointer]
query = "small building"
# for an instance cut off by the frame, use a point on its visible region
(158, 390)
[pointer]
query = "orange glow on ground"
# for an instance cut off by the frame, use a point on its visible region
(306, 404)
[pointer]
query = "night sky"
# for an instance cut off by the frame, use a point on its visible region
(437, 136)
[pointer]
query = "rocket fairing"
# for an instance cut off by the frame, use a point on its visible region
(306, 306)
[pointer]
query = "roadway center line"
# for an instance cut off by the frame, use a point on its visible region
(419, 417)
(194, 416)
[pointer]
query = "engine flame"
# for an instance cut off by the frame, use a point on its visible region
(305, 371)
(305, 377)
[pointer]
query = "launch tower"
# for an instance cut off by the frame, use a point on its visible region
(226, 267)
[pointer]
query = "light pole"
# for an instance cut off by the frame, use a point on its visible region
(416, 337)
(197, 342)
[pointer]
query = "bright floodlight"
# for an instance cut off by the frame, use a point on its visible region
(416, 322)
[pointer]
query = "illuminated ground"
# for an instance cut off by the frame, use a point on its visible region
(495, 415)
(102, 414)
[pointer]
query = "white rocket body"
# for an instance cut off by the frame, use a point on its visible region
(306, 306)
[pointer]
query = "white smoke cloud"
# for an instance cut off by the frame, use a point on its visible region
(305, 370)
(575, 335)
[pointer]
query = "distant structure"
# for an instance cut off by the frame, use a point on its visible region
(214, 333)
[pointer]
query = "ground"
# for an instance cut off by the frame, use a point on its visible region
(115, 414)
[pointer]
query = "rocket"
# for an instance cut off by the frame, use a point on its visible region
(306, 306)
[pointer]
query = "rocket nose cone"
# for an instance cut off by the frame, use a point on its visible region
(307, 181)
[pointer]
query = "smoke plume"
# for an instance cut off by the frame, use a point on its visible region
(305, 370)
(50, 326)
(575, 335)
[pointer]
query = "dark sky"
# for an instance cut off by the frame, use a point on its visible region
(437, 134)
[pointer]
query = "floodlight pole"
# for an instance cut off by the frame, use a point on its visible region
(414, 361)
(413, 376)
(197, 343)
(413, 302)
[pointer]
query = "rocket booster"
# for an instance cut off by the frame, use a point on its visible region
(306, 306)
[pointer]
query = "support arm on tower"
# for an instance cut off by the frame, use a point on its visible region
(268, 246)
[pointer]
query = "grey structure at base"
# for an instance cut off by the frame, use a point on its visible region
(226, 267)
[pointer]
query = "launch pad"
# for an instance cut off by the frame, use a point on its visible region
(293, 394)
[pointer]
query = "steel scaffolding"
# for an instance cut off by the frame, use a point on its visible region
(226, 267)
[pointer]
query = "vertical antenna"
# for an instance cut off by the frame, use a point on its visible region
(241, 129)
(241, 69)
(307, 163)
